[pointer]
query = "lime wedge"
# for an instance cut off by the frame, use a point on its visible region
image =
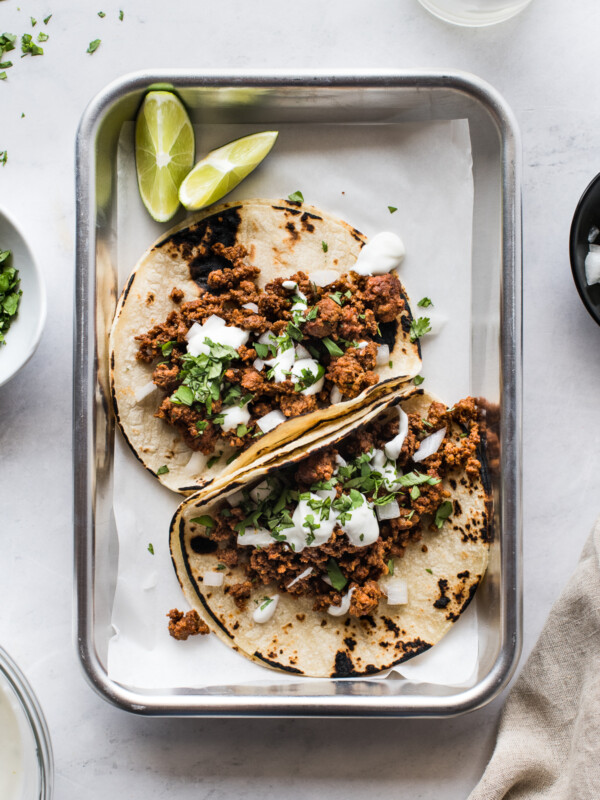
(223, 169)
(164, 152)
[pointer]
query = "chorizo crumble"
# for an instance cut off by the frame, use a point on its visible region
(337, 325)
(328, 570)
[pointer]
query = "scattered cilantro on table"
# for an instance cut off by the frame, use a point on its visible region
(93, 46)
(419, 327)
(392, 209)
(296, 197)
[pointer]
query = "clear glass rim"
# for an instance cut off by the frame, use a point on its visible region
(37, 722)
(457, 19)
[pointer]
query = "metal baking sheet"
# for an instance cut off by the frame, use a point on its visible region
(302, 99)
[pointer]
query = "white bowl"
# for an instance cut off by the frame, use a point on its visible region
(25, 332)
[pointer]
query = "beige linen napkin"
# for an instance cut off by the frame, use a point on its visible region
(549, 739)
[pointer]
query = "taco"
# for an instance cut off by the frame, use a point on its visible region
(352, 555)
(247, 327)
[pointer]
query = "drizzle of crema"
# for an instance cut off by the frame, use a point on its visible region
(383, 253)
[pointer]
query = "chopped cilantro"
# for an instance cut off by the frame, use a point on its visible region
(325, 246)
(101, 14)
(10, 293)
(417, 478)
(463, 435)
(162, 470)
(296, 197)
(3, 157)
(332, 347)
(266, 601)
(418, 380)
(29, 47)
(419, 327)
(231, 458)
(42, 37)
(424, 302)
(430, 571)
(392, 209)
(205, 520)
(33, 22)
(426, 422)
(337, 298)
(241, 430)
(415, 492)
(183, 395)
(201, 425)
(167, 348)
(338, 581)
(308, 378)
(121, 15)
(93, 46)
(312, 314)
(151, 548)
(47, 19)
(2, 76)
(390, 566)
(443, 512)
(294, 332)
(212, 461)
(262, 350)
(221, 566)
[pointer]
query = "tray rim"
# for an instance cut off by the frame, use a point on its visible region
(187, 703)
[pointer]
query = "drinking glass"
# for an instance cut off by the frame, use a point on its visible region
(474, 13)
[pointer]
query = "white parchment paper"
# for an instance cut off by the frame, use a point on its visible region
(355, 171)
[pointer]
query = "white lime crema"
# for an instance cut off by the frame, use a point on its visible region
(309, 529)
(18, 767)
(362, 528)
(383, 253)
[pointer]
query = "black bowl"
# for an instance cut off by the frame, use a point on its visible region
(587, 214)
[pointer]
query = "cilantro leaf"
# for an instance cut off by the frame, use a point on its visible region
(392, 209)
(93, 45)
(205, 520)
(419, 327)
(325, 246)
(332, 347)
(162, 470)
(443, 512)
(47, 19)
(151, 548)
(262, 350)
(296, 197)
(101, 14)
(338, 581)
(390, 566)
(29, 47)
(424, 302)
(121, 15)
(418, 380)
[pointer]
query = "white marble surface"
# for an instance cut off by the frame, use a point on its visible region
(544, 63)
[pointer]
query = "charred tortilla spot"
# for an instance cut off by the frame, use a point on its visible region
(452, 483)
(235, 625)
(463, 575)
(306, 224)
(203, 545)
(443, 599)
(150, 298)
(391, 625)
(112, 361)
(358, 236)
(201, 267)
(222, 227)
(457, 509)
(368, 619)
(389, 332)
(127, 289)
(300, 617)
(350, 643)
(277, 664)
(292, 231)
(344, 668)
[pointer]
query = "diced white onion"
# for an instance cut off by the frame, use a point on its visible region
(144, 391)
(260, 492)
(430, 445)
(362, 345)
(282, 363)
(289, 285)
(311, 366)
(196, 463)
(214, 328)
(335, 395)
(341, 461)
(234, 416)
(258, 364)
(326, 579)
(302, 352)
(592, 267)
(302, 575)
(195, 329)
(267, 337)
(593, 233)
(397, 592)
(594, 248)
(255, 537)
(344, 606)
(264, 611)
(270, 420)
(383, 355)
(212, 579)
(210, 323)
(251, 307)
(323, 277)
(236, 498)
(393, 447)
(390, 510)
